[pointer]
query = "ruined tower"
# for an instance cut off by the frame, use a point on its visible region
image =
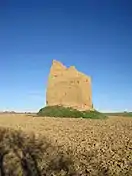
(68, 87)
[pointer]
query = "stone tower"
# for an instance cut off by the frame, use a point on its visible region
(68, 87)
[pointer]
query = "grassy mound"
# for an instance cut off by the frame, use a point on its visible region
(60, 111)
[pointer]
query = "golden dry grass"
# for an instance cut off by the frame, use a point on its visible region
(99, 147)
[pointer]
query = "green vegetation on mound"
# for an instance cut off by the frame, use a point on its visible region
(60, 111)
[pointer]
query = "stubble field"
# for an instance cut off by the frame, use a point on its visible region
(90, 147)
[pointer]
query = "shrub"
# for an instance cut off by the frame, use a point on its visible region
(60, 111)
(23, 154)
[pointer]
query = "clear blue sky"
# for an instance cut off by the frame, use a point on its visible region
(93, 35)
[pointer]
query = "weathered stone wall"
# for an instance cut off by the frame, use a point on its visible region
(68, 87)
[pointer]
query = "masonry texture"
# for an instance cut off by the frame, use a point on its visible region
(68, 87)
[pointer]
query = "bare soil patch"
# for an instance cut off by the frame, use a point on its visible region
(97, 147)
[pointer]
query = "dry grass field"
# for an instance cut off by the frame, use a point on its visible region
(90, 147)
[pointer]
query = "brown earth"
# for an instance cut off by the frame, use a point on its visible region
(68, 87)
(98, 147)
